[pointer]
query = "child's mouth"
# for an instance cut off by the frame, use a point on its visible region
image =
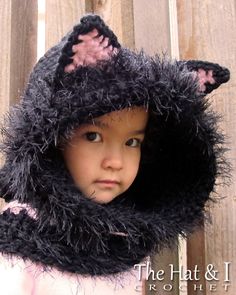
(107, 182)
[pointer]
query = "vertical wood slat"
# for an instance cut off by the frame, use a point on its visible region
(5, 30)
(151, 26)
(119, 17)
(5, 34)
(196, 256)
(19, 49)
(18, 29)
(207, 31)
(24, 20)
(60, 17)
(162, 261)
(173, 25)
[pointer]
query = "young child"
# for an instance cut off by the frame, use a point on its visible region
(109, 156)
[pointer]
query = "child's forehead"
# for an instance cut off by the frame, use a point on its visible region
(134, 115)
(128, 119)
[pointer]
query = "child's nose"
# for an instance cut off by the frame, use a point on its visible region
(113, 160)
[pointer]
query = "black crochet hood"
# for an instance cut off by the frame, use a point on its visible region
(181, 158)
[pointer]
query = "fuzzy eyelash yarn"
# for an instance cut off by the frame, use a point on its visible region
(181, 158)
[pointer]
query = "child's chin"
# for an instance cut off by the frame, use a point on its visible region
(104, 198)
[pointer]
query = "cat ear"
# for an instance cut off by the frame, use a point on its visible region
(91, 41)
(91, 48)
(210, 75)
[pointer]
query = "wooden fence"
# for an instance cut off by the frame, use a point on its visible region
(186, 29)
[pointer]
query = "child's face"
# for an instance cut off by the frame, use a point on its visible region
(103, 157)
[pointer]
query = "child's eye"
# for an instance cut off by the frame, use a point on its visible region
(133, 142)
(93, 136)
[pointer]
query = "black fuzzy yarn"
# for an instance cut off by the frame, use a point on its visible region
(181, 158)
(220, 74)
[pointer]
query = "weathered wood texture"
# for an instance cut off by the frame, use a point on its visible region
(118, 14)
(18, 49)
(164, 261)
(5, 31)
(196, 256)
(207, 31)
(151, 26)
(60, 17)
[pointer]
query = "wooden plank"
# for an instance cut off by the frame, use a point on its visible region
(60, 17)
(119, 16)
(5, 31)
(196, 256)
(207, 31)
(152, 27)
(18, 53)
(167, 261)
(173, 25)
(182, 263)
(23, 50)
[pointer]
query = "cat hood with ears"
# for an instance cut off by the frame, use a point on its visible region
(181, 157)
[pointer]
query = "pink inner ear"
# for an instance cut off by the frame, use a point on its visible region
(204, 78)
(93, 48)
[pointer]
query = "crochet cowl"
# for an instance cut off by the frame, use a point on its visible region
(181, 157)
